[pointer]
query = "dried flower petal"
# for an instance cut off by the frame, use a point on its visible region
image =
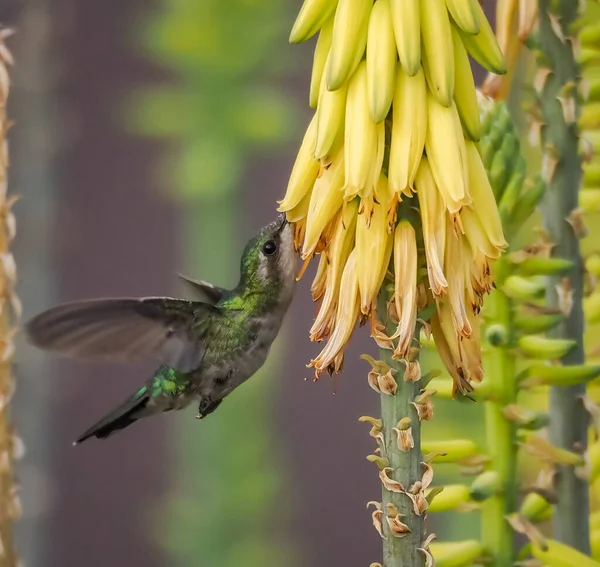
(377, 515)
(389, 483)
(423, 404)
(397, 527)
(346, 317)
(413, 371)
(405, 439)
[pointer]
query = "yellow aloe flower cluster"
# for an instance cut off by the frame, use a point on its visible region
(389, 167)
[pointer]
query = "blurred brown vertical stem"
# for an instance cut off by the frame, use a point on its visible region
(9, 506)
(557, 81)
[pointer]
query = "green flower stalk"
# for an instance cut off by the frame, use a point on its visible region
(390, 191)
(495, 489)
(558, 79)
(10, 445)
(506, 169)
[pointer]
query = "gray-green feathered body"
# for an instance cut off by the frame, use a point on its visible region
(206, 348)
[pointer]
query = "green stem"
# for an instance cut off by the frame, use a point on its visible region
(406, 466)
(568, 428)
(497, 535)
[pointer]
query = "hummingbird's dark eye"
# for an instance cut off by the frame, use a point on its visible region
(269, 248)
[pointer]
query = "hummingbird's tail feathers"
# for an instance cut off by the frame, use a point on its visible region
(124, 330)
(126, 414)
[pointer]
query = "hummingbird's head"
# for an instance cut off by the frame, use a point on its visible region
(269, 261)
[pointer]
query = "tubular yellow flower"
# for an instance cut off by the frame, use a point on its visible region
(433, 218)
(371, 255)
(381, 60)
(319, 60)
(312, 16)
(330, 119)
(454, 260)
(408, 130)
(476, 234)
(484, 204)
(360, 140)
(445, 146)
(305, 171)
(349, 40)
(405, 286)
(335, 257)
(436, 34)
(326, 199)
(345, 320)
(317, 288)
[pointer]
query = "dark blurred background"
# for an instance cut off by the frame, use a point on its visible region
(154, 136)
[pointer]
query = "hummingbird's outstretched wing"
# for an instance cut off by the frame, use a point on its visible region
(204, 291)
(127, 330)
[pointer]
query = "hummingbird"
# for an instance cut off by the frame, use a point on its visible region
(205, 348)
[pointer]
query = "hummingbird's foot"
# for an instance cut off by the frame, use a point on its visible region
(207, 406)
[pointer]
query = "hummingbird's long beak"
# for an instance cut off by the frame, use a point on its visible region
(282, 221)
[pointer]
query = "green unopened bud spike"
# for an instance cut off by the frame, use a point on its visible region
(529, 199)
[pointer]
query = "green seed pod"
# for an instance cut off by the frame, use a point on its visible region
(545, 375)
(456, 554)
(535, 508)
(536, 346)
(525, 289)
(537, 266)
(496, 335)
(537, 323)
(486, 485)
(450, 498)
(450, 451)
